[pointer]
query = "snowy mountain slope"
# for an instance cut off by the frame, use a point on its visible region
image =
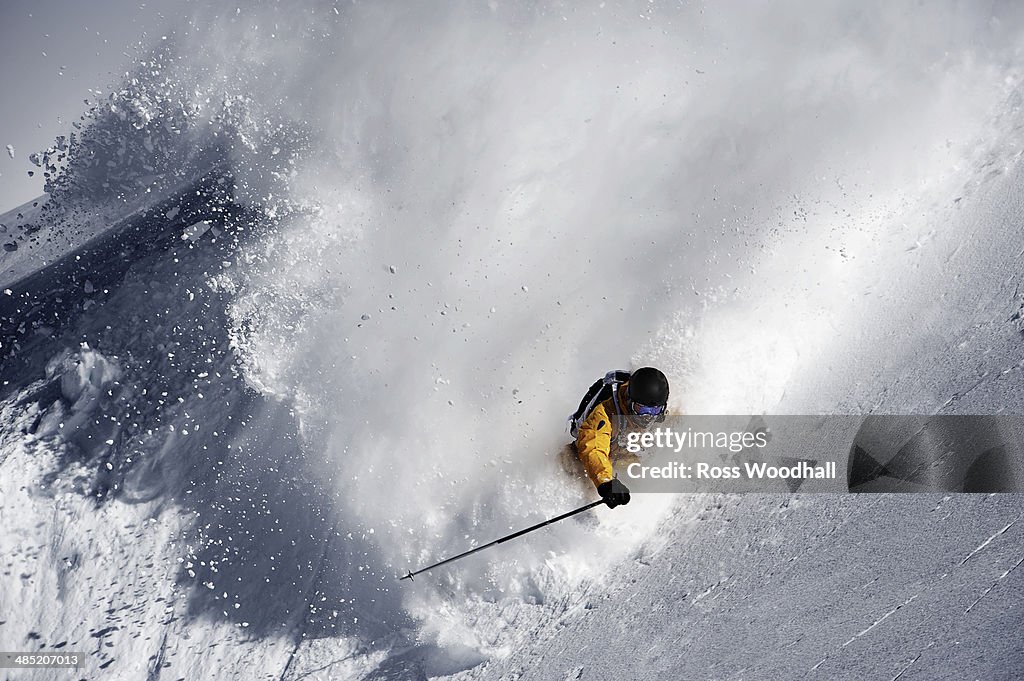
(843, 587)
(103, 425)
(823, 586)
(69, 281)
(440, 224)
(43, 231)
(803, 587)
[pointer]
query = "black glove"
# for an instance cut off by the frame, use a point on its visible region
(613, 492)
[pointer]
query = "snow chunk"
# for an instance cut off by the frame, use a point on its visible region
(193, 232)
(84, 374)
(10, 150)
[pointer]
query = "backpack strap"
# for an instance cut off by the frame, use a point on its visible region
(615, 399)
(620, 418)
(598, 392)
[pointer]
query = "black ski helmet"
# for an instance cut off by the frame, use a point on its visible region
(648, 387)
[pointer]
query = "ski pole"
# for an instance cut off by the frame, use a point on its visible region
(520, 533)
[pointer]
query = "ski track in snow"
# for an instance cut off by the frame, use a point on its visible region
(994, 585)
(878, 621)
(986, 542)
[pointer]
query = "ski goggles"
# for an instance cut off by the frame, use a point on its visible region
(644, 410)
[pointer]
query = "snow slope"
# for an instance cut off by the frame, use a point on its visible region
(311, 296)
(838, 587)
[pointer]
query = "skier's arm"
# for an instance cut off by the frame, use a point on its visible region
(593, 446)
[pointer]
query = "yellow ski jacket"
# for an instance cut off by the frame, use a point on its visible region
(596, 442)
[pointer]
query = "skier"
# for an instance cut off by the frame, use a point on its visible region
(616, 405)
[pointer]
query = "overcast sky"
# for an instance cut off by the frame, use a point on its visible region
(52, 52)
